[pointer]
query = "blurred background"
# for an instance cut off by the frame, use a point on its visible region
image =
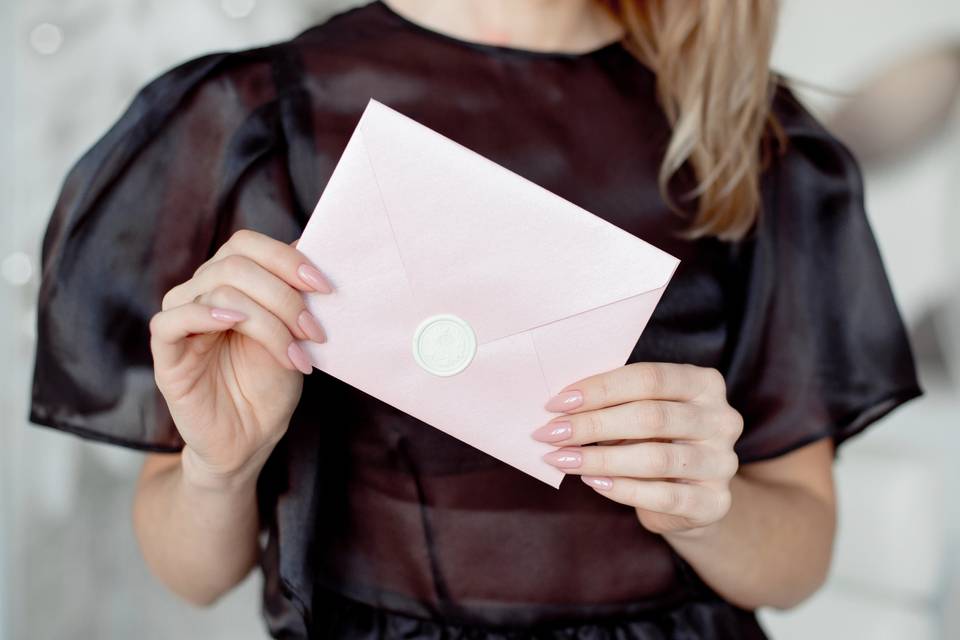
(884, 75)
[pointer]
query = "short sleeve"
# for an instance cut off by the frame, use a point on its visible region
(821, 349)
(195, 155)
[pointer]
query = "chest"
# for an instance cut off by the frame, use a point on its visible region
(609, 169)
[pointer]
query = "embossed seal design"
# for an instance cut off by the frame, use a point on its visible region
(444, 344)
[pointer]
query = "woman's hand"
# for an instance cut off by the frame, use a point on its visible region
(225, 356)
(664, 437)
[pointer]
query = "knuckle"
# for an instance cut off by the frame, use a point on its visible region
(729, 464)
(724, 500)
(671, 500)
(732, 424)
(234, 266)
(637, 495)
(165, 301)
(652, 378)
(604, 458)
(658, 417)
(203, 266)
(606, 389)
(153, 324)
(639, 420)
(591, 426)
(724, 465)
(169, 298)
(714, 380)
(241, 237)
(659, 460)
(223, 295)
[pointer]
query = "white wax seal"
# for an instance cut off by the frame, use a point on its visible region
(444, 344)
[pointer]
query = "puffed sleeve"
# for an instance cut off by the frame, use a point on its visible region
(194, 156)
(821, 349)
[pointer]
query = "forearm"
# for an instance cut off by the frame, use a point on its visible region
(773, 547)
(198, 540)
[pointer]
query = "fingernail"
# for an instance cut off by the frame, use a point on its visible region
(299, 358)
(565, 401)
(227, 315)
(598, 482)
(311, 327)
(313, 278)
(564, 459)
(553, 432)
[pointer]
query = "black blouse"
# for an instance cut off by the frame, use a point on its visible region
(376, 524)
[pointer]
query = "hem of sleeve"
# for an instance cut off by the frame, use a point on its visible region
(855, 422)
(40, 415)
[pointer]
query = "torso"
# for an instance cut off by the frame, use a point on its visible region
(380, 507)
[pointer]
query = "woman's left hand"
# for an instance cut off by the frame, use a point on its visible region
(663, 434)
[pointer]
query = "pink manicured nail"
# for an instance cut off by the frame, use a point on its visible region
(564, 458)
(299, 358)
(311, 327)
(565, 401)
(227, 315)
(313, 278)
(598, 482)
(553, 432)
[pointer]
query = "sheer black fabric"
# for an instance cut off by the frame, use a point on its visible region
(376, 524)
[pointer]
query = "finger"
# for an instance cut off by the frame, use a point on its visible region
(697, 502)
(644, 419)
(280, 258)
(269, 291)
(637, 381)
(677, 460)
(261, 326)
(169, 328)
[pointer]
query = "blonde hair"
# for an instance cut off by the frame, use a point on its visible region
(712, 61)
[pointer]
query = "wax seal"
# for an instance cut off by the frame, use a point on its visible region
(444, 344)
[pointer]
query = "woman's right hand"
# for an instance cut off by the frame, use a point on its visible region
(225, 356)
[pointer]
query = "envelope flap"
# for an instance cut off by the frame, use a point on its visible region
(490, 246)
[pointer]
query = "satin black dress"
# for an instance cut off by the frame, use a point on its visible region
(375, 524)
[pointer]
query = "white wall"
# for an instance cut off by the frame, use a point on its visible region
(898, 551)
(838, 46)
(6, 187)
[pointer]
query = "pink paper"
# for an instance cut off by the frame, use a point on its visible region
(542, 292)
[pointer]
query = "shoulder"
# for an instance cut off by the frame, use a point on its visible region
(808, 144)
(220, 77)
(813, 180)
(256, 75)
(812, 188)
(793, 114)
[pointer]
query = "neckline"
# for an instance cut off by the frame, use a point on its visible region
(495, 48)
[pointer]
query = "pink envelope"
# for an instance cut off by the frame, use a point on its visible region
(466, 295)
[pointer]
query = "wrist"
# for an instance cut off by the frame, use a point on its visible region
(198, 475)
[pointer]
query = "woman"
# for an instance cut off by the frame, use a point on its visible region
(171, 301)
